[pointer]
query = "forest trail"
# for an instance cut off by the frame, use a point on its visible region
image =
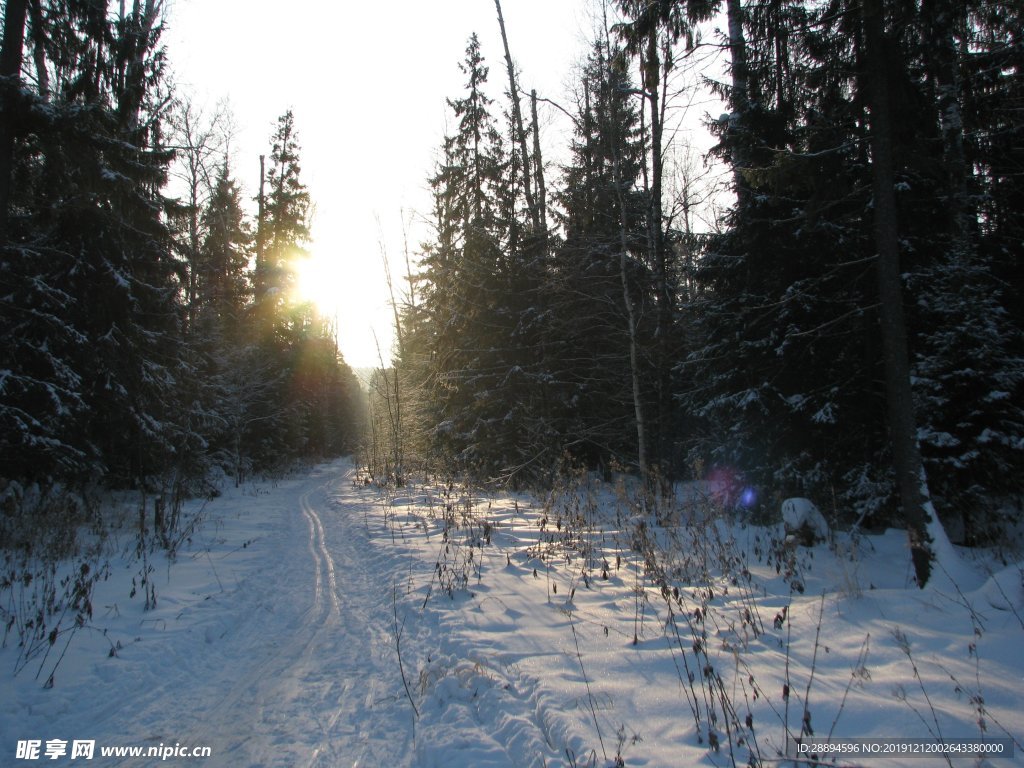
(296, 667)
(272, 641)
(311, 678)
(317, 688)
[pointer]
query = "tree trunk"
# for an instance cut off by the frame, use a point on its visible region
(538, 166)
(902, 428)
(397, 428)
(10, 70)
(139, 34)
(260, 276)
(517, 117)
(639, 420)
(651, 71)
(634, 358)
(38, 47)
(740, 95)
(940, 21)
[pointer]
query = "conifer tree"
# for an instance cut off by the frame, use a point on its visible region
(788, 378)
(460, 291)
(287, 233)
(589, 332)
(88, 218)
(222, 279)
(126, 350)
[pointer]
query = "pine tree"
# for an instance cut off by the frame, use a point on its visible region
(199, 140)
(462, 294)
(222, 357)
(779, 383)
(309, 403)
(222, 290)
(126, 347)
(787, 382)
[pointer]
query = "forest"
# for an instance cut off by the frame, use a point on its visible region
(846, 330)
(151, 337)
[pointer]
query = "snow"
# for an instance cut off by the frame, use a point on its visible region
(798, 513)
(531, 632)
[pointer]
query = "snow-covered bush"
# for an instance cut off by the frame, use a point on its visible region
(803, 520)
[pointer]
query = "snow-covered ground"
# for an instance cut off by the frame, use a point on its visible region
(319, 622)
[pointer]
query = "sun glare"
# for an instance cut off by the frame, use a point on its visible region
(318, 278)
(346, 292)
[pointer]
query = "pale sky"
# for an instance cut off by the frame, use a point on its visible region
(367, 83)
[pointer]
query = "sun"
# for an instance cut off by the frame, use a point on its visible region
(317, 280)
(351, 294)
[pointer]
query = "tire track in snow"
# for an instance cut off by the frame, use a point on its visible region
(318, 706)
(269, 694)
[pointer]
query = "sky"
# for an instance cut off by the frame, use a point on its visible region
(367, 83)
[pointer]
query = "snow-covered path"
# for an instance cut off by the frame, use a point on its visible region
(315, 684)
(287, 660)
(532, 636)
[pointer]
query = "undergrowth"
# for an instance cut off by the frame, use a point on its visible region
(57, 545)
(687, 562)
(49, 573)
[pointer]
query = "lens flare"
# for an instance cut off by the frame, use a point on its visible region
(725, 484)
(749, 497)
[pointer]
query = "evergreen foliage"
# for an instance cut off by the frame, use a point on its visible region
(473, 337)
(601, 207)
(127, 327)
(768, 340)
(151, 340)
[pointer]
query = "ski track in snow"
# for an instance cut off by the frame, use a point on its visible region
(319, 695)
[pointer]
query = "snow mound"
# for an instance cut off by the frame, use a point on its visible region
(801, 516)
(1004, 590)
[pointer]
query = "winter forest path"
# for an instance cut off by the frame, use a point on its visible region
(302, 670)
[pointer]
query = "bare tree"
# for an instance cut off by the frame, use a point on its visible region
(517, 117)
(201, 140)
(639, 420)
(538, 165)
(389, 379)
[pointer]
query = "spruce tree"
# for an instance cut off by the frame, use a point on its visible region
(286, 224)
(461, 292)
(89, 251)
(222, 274)
(589, 340)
